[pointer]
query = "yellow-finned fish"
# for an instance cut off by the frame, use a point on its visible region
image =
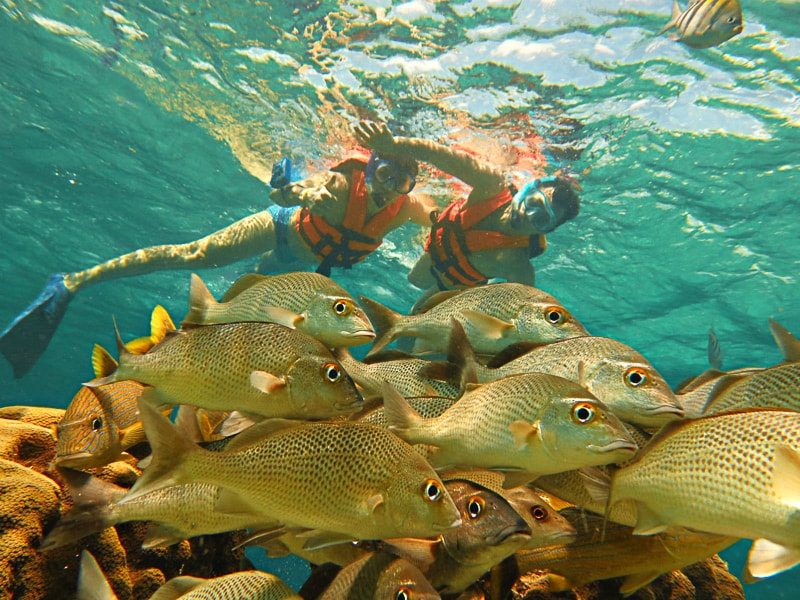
(309, 302)
(734, 474)
(606, 550)
(614, 373)
(536, 423)
(160, 325)
(353, 480)
(380, 576)
(706, 23)
(411, 377)
(493, 316)
(256, 368)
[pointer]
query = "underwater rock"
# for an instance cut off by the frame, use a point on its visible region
(706, 580)
(31, 500)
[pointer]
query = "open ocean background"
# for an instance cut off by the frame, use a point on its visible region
(129, 124)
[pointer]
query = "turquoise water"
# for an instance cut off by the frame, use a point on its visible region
(125, 125)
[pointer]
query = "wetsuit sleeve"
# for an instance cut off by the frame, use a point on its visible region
(248, 237)
(485, 179)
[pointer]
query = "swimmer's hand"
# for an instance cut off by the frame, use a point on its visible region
(375, 136)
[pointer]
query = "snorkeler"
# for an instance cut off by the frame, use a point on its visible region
(491, 234)
(331, 219)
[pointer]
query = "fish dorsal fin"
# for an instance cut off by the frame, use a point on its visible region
(512, 352)
(441, 370)
(714, 351)
(489, 327)
(177, 587)
(768, 558)
(786, 475)
(693, 383)
(723, 384)
(103, 363)
(435, 300)
(788, 344)
(387, 355)
(490, 480)
(245, 282)
(92, 584)
(259, 431)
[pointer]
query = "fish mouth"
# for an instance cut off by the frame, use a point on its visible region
(350, 406)
(452, 524)
(738, 29)
(665, 409)
(361, 333)
(517, 532)
(70, 460)
(614, 446)
(562, 537)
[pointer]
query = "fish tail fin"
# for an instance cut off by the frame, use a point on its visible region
(385, 321)
(676, 12)
(91, 512)
(200, 299)
(103, 364)
(767, 558)
(92, 583)
(787, 343)
(401, 418)
(171, 449)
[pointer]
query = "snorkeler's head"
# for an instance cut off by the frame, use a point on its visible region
(546, 203)
(389, 176)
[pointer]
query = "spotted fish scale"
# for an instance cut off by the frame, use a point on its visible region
(247, 585)
(377, 577)
(405, 376)
(776, 387)
(716, 474)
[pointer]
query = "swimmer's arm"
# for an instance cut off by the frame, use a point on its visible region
(418, 209)
(485, 180)
(322, 187)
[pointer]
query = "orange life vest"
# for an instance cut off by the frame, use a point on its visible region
(453, 238)
(346, 244)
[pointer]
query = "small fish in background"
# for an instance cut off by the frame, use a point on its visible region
(706, 23)
(379, 576)
(254, 367)
(309, 302)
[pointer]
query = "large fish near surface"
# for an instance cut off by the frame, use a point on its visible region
(536, 423)
(356, 481)
(607, 550)
(706, 23)
(614, 373)
(309, 302)
(411, 377)
(493, 316)
(379, 576)
(256, 368)
(734, 474)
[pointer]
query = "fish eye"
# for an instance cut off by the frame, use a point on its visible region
(554, 315)
(403, 593)
(432, 490)
(635, 377)
(97, 423)
(731, 19)
(342, 307)
(332, 372)
(539, 512)
(583, 413)
(475, 507)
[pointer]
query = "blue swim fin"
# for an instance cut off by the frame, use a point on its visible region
(26, 338)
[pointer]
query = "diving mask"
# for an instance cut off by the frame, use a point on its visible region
(390, 174)
(536, 207)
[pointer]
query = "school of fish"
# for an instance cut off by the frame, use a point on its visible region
(507, 431)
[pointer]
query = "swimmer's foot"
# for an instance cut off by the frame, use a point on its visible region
(26, 338)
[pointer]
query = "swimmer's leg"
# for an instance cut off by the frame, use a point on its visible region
(28, 335)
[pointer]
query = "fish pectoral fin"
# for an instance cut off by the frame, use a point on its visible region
(597, 483)
(231, 503)
(234, 423)
(488, 326)
(420, 552)
(284, 317)
(132, 435)
(786, 475)
(318, 539)
(558, 583)
(373, 502)
(523, 432)
(647, 522)
(266, 382)
(636, 581)
(768, 558)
